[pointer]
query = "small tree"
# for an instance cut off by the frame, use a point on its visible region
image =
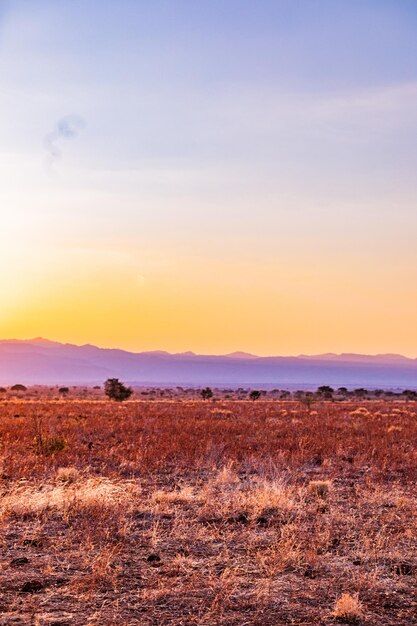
(306, 398)
(116, 390)
(63, 391)
(255, 395)
(206, 393)
(325, 392)
(361, 392)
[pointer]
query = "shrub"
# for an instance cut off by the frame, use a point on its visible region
(67, 475)
(348, 609)
(206, 393)
(319, 488)
(51, 444)
(18, 387)
(361, 392)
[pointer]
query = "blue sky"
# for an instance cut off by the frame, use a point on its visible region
(238, 144)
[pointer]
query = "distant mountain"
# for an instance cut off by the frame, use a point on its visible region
(360, 358)
(241, 355)
(40, 361)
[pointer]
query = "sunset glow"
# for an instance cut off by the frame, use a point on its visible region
(233, 186)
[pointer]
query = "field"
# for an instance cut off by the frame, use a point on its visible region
(191, 512)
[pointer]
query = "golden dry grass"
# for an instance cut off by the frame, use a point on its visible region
(348, 609)
(201, 513)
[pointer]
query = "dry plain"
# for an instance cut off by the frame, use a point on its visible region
(191, 512)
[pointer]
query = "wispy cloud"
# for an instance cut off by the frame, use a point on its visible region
(67, 127)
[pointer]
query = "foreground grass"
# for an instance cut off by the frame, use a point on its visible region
(201, 513)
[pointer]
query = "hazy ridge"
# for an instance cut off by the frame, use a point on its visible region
(39, 361)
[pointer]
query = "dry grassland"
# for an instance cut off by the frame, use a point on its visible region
(208, 513)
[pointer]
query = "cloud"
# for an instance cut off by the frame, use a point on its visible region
(67, 127)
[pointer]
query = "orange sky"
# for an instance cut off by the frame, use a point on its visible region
(214, 307)
(218, 177)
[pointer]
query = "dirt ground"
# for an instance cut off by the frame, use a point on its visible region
(189, 513)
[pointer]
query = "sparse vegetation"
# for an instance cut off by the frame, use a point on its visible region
(180, 511)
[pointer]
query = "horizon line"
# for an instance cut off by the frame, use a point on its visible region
(242, 353)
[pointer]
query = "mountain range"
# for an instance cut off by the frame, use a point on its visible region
(43, 362)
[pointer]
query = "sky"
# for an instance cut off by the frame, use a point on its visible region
(210, 176)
